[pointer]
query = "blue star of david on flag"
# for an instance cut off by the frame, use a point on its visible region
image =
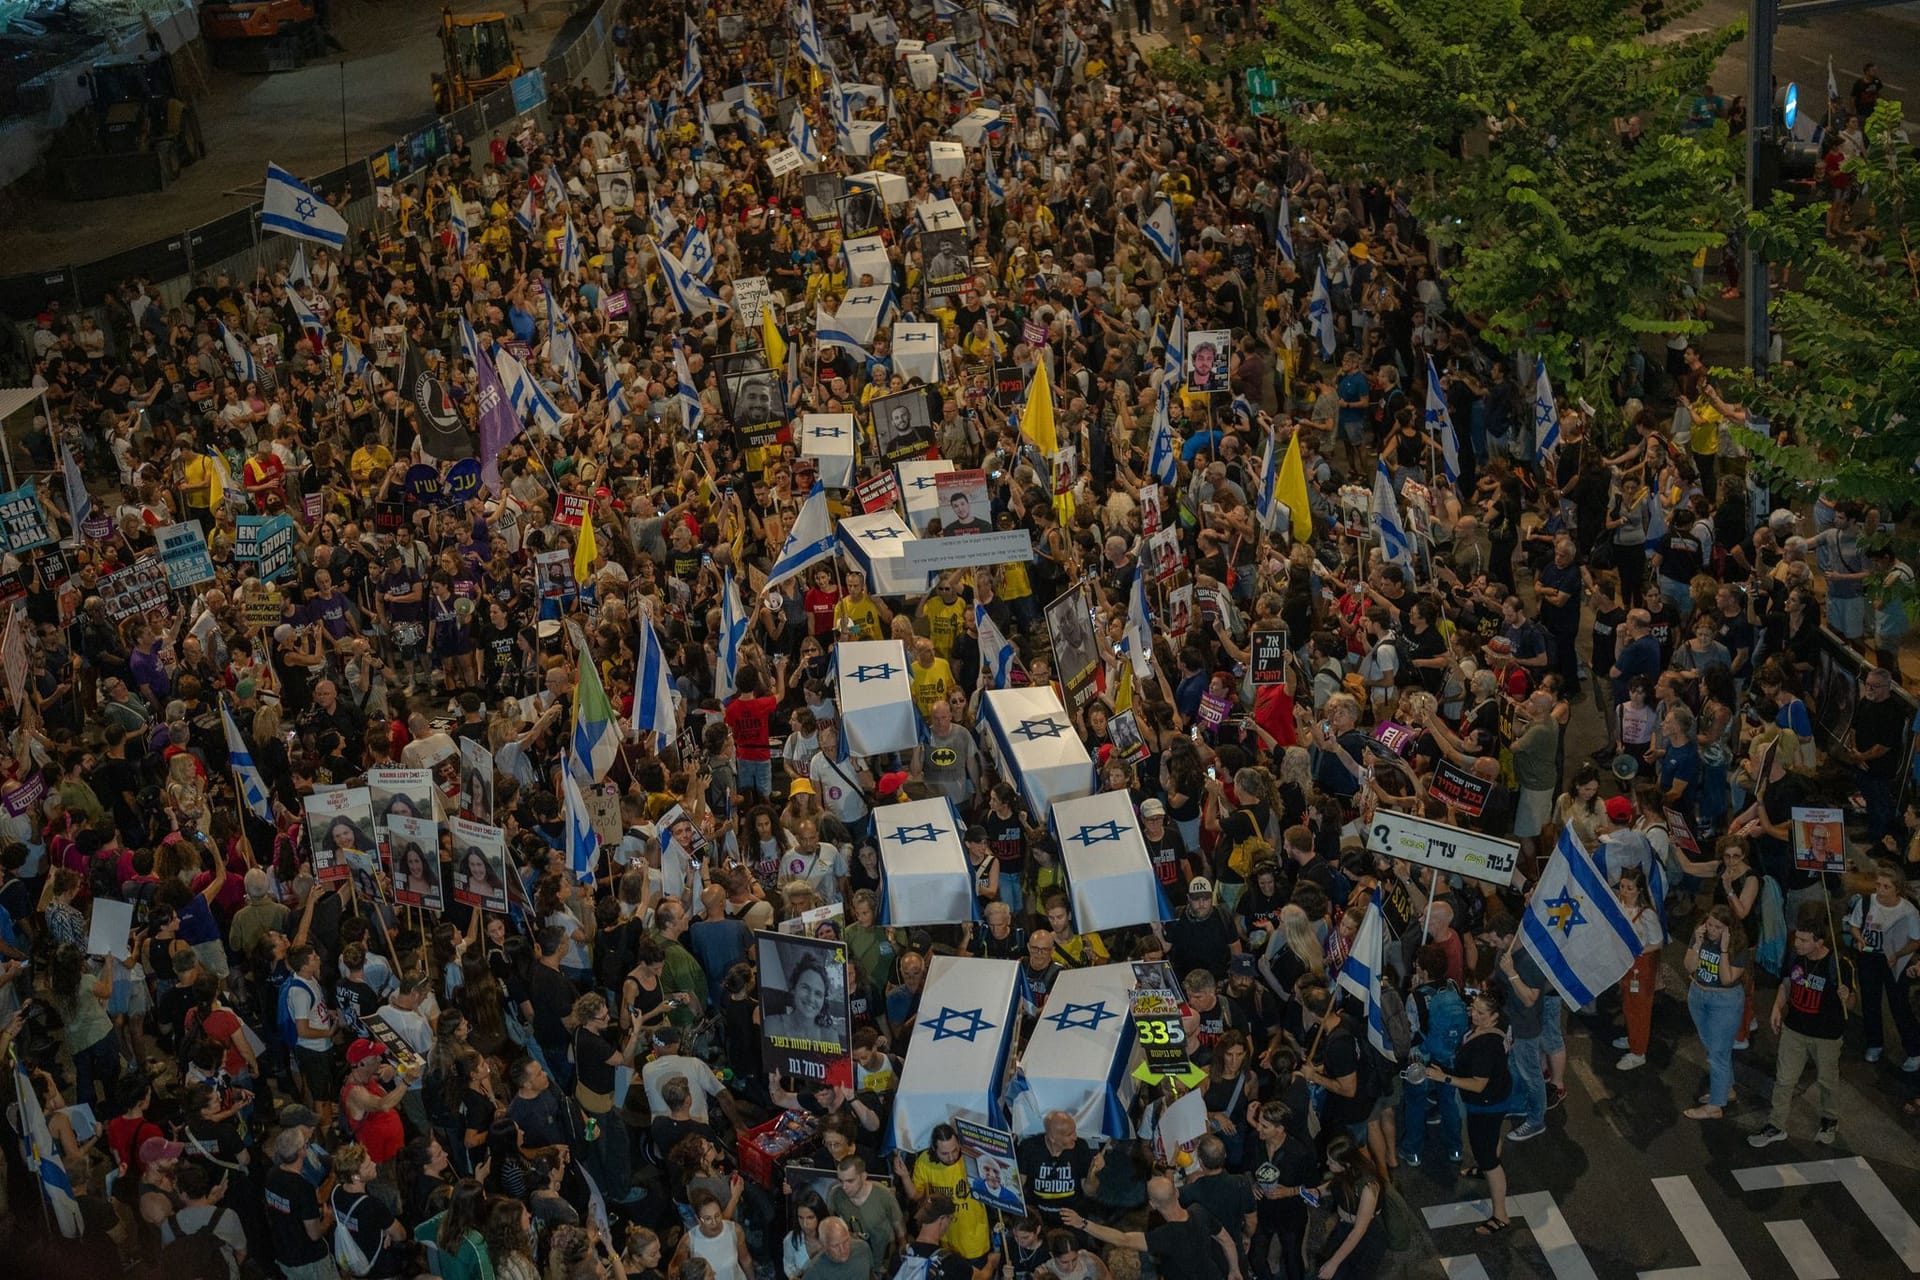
(1108, 830)
(863, 673)
(1048, 728)
(923, 482)
(1564, 912)
(824, 433)
(1081, 1017)
(924, 833)
(972, 1025)
(305, 206)
(875, 535)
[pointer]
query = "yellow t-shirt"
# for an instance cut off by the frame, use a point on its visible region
(369, 463)
(1079, 951)
(930, 685)
(1014, 582)
(197, 470)
(1706, 429)
(945, 622)
(968, 1235)
(862, 613)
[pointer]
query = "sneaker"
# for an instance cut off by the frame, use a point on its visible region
(1873, 1055)
(1555, 1096)
(1767, 1137)
(1526, 1132)
(1433, 1117)
(1829, 1130)
(1631, 1062)
(1453, 1158)
(1742, 1043)
(1911, 1065)
(1410, 1158)
(1622, 1043)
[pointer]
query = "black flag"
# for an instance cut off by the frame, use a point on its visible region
(442, 433)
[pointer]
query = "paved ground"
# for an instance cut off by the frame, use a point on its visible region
(295, 118)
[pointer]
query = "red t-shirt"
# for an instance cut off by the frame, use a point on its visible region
(749, 718)
(267, 471)
(820, 605)
(380, 1132)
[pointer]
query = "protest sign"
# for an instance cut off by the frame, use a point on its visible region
(1819, 839)
(1449, 848)
(23, 520)
(1269, 657)
(183, 550)
(1456, 787)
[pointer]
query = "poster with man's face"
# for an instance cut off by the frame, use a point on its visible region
(903, 425)
(965, 506)
(616, 188)
(947, 265)
(725, 365)
(1207, 352)
(820, 198)
(758, 400)
(1076, 650)
(1819, 839)
(862, 213)
(966, 27)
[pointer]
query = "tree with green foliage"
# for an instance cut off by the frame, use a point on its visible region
(1547, 143)
(1846, 400)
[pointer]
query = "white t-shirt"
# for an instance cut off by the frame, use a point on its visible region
(837, 783)
(1381, 664)
(304, 1003)
(701, 1083)
(1888, 929)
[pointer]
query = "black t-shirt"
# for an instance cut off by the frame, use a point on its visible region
(1008, 841)
(552, 995)
(1165, 854)
(1882, 723)
(592, 1057)
(1213, 1023)
(1813, 998)
(1201, 942)
(1484, 1057)
(1055, 1182)
(1292, 1166)
(1338, 1057)
(1187, 1250)
(368, 1220)
(1227, 1196)
(1421, 646)
(291, 1204)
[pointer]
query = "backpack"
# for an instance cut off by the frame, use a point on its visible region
(103, 874)
(1399, 1028)
(347, 1253)
(194, 1255)
(1446, 1026)
(1242, 858)
(1405, 674)
(1770, 953)
(288, 1024)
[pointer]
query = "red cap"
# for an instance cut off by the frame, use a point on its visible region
(360, 1050)
(890, 783)
(1619, 809)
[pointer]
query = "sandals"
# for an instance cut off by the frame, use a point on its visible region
(1705, 1099)
(1472, 1172)
(1492, 1227)
(1703, 1113)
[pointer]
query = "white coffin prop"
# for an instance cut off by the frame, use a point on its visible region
(893, 188)
(972, 128)
(1036, 747)
(941, 215)
(923, 862)
(917, 489)
(916, 349)
(1081, 1055)
(922, 70)
(828, 439)
(867, 256)
(958, 1057)
(878, 544)
(862, 135)
(860, 311)
(947, 159)
(1110, 879)
(876, 697)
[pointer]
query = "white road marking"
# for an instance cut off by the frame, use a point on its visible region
(1565, 1258)
(1804, 1254)
(1880, 1205)
(1698, 1228)
(1465, 1267)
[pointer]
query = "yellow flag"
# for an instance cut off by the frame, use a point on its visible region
(217, 474)
(1036, 419)
(585, 551)
(1291, 488)
(770, 340)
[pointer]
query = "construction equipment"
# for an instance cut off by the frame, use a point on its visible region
(136, 134)
(261, 36)
(480, 57)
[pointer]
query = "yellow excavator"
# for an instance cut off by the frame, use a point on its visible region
(480, 57)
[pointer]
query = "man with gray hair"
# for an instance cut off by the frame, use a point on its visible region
(842, 1256)
(298, 1225)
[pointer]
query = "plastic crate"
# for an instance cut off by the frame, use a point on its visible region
(762, 1166)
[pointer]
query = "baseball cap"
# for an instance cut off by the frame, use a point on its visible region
(157, 1150)
(891, 783)
(1152, 809)
(1199, 887)
(1500, 647)
(1619, 809)
(361, 1050)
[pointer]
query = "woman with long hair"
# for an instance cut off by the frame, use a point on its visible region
(1643, 979)
(457, 1231)
(484, 1000)
(509, 1238)
(1716, 962)
(1293, 952)
(1482, 1074)
(802, 1244)
(1232, 1088)
(1357, 1245)
(80, 999)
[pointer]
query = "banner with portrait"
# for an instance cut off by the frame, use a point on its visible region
(759, 401)
(406, 793)
(965, 505)
(1076, 650)
(615, 184)
(476, 780)
(947, 265)
(1208, 351)
(820, 200)
(992, 1166)
(862, 213)
(1819, 839)
(903, 425)
(728, 363)
(479, 864)
(340, 836)
(413, 852)
(804, 1019)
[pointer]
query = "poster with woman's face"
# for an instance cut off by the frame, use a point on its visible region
(403, 793)
(340, 834)
(803, 1008)
(413, 851)
(479, 864)
(476, 780)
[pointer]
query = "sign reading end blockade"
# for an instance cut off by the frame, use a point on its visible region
(1447, 848)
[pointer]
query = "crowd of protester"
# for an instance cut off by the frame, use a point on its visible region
(215, 1092)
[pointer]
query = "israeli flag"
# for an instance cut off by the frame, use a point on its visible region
(833, 332)
(527, 215)
(247, 779)
(660, 214)
(1162, 233)
(1386, 518)
(79, 501)
(1284, 231)
(293, 209)
(809, 541)
(733, 633)
(1320, 315)
(616, 391)
(652, 687)
(241, 355)
(691, 412)
(1163, 459)
(297, 272)
(524, 391)
(708, 141)
(572, 257)
(800, 134)
(43, 1157)
(1575, 927)
(620, 82)
(1072, 48)
(582, 843)
(457, 223)
(749, 113)
(1140, 627)
(696, 252)
(562, 354)
(996, 651)
(1044, 112)
(813, 51)
(690, 294)
(1270, 504)
(1440, 423)
(1546, 418)
(996, 189)
(556, 188)
(692, 74)
(309, 320)
(353, 361)
(1173, 363)
(1360, 975)
(959, 75)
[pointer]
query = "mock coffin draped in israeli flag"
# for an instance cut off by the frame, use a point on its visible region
(1110, 879)
(961, 1039)
(1035, 746)
(923, 864)
(876, 697)
(828, 439)
(917, 488)
(1081, 1055)
(878, 544)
